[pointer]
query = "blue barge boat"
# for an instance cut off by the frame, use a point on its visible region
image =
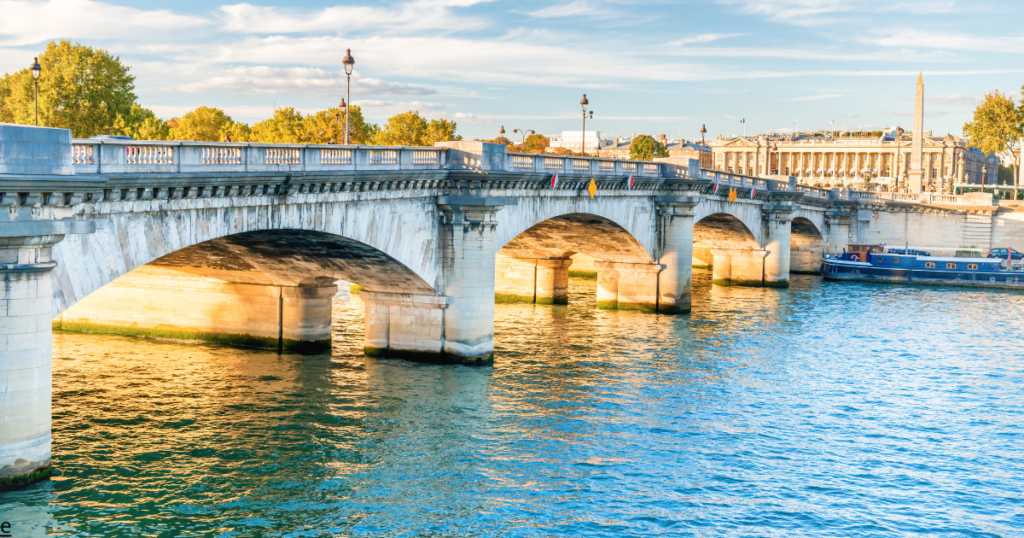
(870, 264)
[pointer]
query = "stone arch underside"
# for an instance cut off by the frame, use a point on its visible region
(565, 235)
(403, 229)
(719, 230)
(295, 258)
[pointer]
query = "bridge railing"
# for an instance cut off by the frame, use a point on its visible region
(130, 156)
(564, 164)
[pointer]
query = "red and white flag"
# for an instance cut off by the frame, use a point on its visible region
(753, 191)
(716, 188)
(630, 182)
(554, 181)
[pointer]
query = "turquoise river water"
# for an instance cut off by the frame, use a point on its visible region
(827, 409)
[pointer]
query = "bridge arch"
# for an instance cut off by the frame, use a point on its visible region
(404, 230)
(807, 244)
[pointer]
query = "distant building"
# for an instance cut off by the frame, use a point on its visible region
(819, 159)
(680, 151)
(571, 140)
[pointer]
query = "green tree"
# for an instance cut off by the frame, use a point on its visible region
(441, 130)
(997, 125)
(536, 143)
(141, 124)
(284, 127)
(645, 148)
(328, 127)
(405, 129)
(81, 89)
(207, 124)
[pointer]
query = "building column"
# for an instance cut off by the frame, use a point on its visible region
(26, 344)
(405, 325)
(675, 227)
(467, 279)
(778, 220)
(627, 286)
(739, 267)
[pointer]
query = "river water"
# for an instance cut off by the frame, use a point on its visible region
(828, 409)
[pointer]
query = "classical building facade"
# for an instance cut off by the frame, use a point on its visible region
(891, 161)
(823, 161)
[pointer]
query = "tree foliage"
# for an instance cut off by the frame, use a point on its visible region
(286, 126)
(328, 127)
(411, 129)
(207, 124)
(645, 148)
(81, 89)
(536, 143)
(997, 124)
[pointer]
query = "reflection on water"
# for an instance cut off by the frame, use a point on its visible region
(821, 410)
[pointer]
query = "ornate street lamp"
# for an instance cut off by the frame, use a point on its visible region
(349, 62)
(583, 141)
(501, 133)
(523, 133)
(36, 71)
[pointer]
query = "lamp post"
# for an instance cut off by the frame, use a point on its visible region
(583, 138)
(523, 133)
(349, 62)
(36, 71)
(344, 107)
(501, 133)
(703, 145)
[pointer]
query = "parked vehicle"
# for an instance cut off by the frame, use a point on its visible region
(1001, 253)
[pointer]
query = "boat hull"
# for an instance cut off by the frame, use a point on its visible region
(839, 270)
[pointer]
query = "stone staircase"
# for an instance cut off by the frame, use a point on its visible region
(977, 232)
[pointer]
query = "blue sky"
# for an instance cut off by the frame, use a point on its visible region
(647, 67)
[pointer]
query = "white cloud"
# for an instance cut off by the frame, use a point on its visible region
(701, 38)
(577, 8)
(919, 39)
(412, 15)
(305, 81)
(952, 99)
(814, 97)
(816, 12)
(26, 22)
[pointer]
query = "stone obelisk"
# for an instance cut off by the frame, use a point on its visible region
(916, 174)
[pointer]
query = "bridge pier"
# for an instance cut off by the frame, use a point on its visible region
(229, 307)
(739, 267)
(627, 286)
(778, 221)
(404, 325)
(540, 281)
(675, 282)
(467, 275)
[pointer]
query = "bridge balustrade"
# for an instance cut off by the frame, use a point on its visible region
(128, 156)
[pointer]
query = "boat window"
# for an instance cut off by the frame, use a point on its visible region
(929, 265)
(950, 266)
(972, 266)
(895, 260)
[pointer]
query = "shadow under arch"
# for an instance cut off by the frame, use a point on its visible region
(806, 246)
(533, 267)
(265, 289)
(572, 233)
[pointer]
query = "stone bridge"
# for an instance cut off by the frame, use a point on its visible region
(244, 244)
